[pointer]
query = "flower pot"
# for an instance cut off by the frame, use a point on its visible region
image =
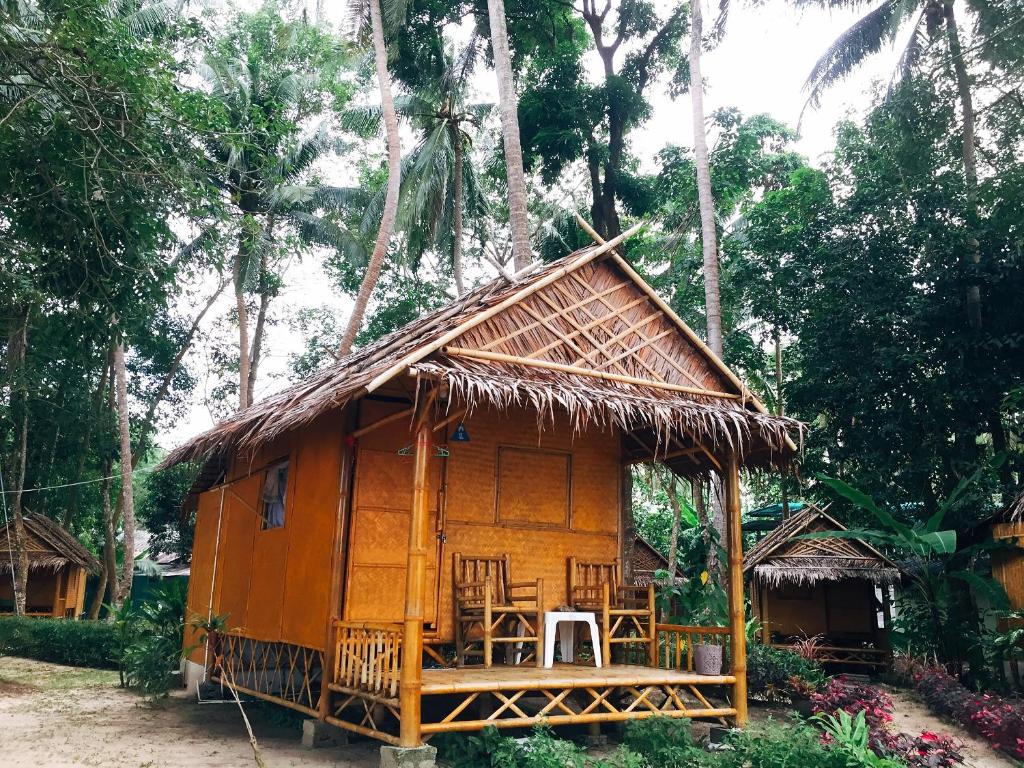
(707, 659)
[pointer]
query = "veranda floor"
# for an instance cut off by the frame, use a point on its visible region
(529, 677)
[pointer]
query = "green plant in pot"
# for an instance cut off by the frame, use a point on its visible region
(702, 602)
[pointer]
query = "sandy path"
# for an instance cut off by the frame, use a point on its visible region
(64, 717)
(913, 717)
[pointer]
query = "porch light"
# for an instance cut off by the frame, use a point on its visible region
(460, 435)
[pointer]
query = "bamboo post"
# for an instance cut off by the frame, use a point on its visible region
(540, 623)
(652, 627)
(488, 622)
(415, 592)
(737, 626)
(606, 625)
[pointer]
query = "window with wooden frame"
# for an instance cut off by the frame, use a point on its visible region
(275, 488)
(534, 487)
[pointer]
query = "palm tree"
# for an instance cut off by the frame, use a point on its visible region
(706, 203)
(262, 174)
(390, 211)
(438, 186)
(521, 254)
(930, 20)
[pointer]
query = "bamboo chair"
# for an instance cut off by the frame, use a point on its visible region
(625, 613)
(488, 602)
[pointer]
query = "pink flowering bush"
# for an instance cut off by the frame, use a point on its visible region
(998, 720)
(928, 750)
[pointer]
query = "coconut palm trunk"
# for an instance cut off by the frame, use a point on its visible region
(243, 324)
(124, 586)
(457, 211)
(518, 220)
(387, 220)
(709, 240)
(963, 87)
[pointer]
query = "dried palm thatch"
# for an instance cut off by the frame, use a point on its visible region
(782, 557)
(583, 335)
(1014, 512)
(50, 547)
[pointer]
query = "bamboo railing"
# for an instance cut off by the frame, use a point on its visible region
(676, 641)
(367, 658)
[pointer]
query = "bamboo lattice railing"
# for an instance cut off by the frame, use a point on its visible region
(676, 641)
(367, 658)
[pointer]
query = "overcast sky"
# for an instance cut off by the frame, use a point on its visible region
(759, 67)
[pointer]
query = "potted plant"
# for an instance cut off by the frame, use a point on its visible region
(705, 604)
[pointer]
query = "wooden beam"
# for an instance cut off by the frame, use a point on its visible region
(499, 357)
(737, 624)
(382, 421)
(527, 290)
(411, 674)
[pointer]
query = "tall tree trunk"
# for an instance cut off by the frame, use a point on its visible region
(677, 514)
(780, 410)
(457, 212)
(387, 220)
(243, 324)
(963, 87)
(97, 406)
(258, 331)
(509, 103)
(712, 301)
(124, 586)
(108, 575)
(17, 345)
(706, 524)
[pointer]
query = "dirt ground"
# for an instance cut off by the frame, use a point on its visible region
(63, 717)
(913, 717)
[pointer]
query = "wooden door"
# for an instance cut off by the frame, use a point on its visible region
(379, 537)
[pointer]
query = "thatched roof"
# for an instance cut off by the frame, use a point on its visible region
(783, 558)
(583, 335)
(50, 547)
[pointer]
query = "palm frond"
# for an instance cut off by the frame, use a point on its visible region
(317, 230)
(865, 37)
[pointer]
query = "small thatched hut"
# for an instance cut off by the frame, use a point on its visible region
(57, 568)
(425, 502)
(832, 588)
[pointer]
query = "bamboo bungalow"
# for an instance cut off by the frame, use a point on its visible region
(827, 588)
(58, 565)
(387, 538)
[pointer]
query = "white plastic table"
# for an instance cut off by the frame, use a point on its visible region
(565, 622)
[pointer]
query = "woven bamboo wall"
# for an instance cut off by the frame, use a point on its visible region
(1008, 566)
(537, 494)
(273, 584)
(201, 573)
(835, 608)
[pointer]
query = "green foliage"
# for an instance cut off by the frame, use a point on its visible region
(851, 737)
(661, 741)
(159, 510)
(61, 641)
(153, 633)
(770, 671)
(540, 750)
(778, 745)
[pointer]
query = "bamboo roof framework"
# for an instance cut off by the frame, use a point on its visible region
(50, 547)
(782, 557)
(583, 335)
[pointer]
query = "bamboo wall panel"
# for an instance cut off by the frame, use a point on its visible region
(790, 616)
(1008, 566)
(264, 607)
(310, 530)
(201, 573)
(534, 486)
(234, 562)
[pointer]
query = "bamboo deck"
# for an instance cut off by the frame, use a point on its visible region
(521, 678)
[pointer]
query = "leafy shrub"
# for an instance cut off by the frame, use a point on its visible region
(61, 641)
(770, 672)
(154, 632)
(852, 737)
(540, 750)
(663, 742)
(999, 721)
(844, 702)
(778, 745)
